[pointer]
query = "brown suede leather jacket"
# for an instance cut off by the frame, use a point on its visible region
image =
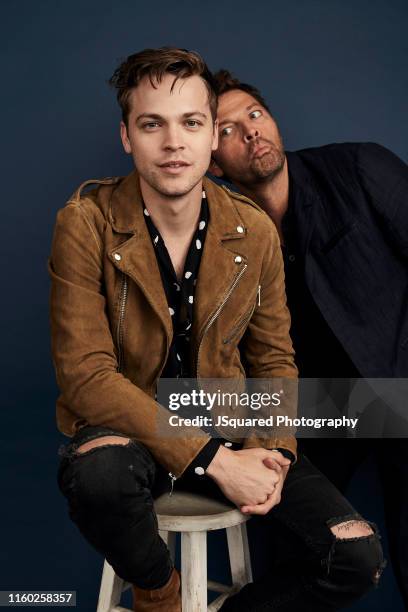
(110, 323)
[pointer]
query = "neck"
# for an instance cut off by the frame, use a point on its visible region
(271, 195)
(173, 216)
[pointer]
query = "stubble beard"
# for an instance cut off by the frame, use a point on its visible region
(268, 165)
(169, 188)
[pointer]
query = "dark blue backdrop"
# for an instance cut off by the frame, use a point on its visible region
(332, 70)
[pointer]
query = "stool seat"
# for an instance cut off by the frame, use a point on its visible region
(185, 511)
(192, 516)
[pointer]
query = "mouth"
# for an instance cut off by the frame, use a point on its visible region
(174, 167)
(260, 150)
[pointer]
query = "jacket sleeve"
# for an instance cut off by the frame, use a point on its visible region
(384, 177)
(84, 353)
(267, 347)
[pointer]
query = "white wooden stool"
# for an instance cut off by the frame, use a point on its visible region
(192, 515)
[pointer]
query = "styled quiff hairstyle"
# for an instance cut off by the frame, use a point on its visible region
(155, 63)
(225, 81)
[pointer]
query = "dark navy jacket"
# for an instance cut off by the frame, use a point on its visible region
(350, 207)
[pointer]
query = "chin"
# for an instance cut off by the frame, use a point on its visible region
(173, 191)
(268, 165)
(176, 188)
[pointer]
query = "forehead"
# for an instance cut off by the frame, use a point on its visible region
(187, 95)
(234, 103)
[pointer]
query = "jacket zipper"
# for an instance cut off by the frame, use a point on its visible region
(217, 312)
(172, 479)
(239, 325)
(245, 319)
(119, 331)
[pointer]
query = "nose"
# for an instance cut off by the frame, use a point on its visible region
(251, 133)
(173, 140)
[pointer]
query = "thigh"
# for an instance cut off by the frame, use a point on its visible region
(110, 470)
(338, 459)
(310, 505)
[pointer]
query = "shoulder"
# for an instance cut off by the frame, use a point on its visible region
(353, 153)
(330, 154)
(239, 199)
(90, 201)
(252, 215)
(80, 191)
(85, 215)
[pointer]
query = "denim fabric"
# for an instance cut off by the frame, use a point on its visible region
(391, 459)
(110, 491)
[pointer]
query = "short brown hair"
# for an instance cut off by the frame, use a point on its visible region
(155, 63)
(225, 81)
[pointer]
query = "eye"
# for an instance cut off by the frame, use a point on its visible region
(226, 131)
(193, 123)
(150, 125)
(255, 114)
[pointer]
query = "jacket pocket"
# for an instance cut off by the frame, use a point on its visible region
(338, 236)
(238, 326)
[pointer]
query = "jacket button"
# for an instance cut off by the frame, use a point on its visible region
(117, 256)
(240, 229)
(238, 259)
(199, 471)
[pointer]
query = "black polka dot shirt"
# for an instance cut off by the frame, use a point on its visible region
(180, 300)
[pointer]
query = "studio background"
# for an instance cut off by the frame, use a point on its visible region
(332, 71)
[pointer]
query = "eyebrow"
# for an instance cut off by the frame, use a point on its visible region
(160, 118)
(248, 108)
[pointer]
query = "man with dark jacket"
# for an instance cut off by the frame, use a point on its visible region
(162, 274)
(341, 212)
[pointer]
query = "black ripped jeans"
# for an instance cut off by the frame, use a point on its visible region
(110, 491)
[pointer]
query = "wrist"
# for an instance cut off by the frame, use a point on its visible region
(218, 462)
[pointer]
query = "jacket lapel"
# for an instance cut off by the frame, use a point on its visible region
(303, 199)
(136, 257)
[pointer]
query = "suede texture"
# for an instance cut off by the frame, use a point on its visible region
(109, 352)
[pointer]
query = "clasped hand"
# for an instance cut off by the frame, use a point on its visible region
(251, 478)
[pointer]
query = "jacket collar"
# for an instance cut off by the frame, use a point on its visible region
(136, 257)
(126, 211)
(301, 180)
(303, 200)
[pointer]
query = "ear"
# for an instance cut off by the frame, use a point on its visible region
(124, 137)
(215, 169)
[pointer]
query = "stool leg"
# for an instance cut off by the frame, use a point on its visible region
(169, 538)
(239, 556)
(111, 589)
(194, 571)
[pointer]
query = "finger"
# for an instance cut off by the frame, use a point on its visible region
(272, 500)
(272, 464)
(259, 508)
(279, 457)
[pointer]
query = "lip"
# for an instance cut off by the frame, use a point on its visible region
(260, 150)
(174, 166)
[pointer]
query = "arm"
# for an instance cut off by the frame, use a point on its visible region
(267, 347)
(84, 352)
(384, 178)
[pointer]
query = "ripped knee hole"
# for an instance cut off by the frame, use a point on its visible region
(102, 441)
(352, 529)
